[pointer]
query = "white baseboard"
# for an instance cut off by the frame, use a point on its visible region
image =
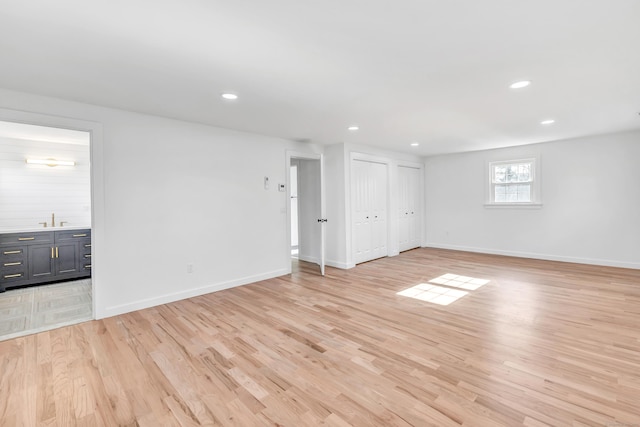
(548, 257)
(177, 296)
(307, 258)
(329, 262)
(337, 264)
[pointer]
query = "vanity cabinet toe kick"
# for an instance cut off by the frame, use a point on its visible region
(44, 256)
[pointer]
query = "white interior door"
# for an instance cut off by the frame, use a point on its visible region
(403, 209)
(322, 219)
(379, 229)
(369, 210)
(361, 211)
(408, 207)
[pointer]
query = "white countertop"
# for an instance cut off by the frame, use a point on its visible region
(33, 229)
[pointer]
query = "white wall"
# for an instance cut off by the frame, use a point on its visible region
(29, 193)
(590, 203)
(169, 193)
(335, 228)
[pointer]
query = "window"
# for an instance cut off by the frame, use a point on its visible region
(512, 182)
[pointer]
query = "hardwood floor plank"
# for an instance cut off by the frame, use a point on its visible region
(531, 343)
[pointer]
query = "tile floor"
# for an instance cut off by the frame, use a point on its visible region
(41, 308)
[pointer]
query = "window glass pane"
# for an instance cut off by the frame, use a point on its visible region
(524, 172)
(524, 192)
(512, 193)
(515, 172)
(512, 173)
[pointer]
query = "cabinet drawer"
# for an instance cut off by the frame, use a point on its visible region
(26, 238)
(62, 236)
(84, 249)
(13, 272)
(12, 253)
(12, 264)
(7, 277)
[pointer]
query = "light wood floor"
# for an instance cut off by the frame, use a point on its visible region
(542, 343)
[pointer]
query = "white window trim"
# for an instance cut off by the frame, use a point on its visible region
(535, 202)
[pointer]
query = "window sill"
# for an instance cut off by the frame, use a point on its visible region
(513, 205)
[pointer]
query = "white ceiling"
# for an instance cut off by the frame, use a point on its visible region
(43, 133)
(436, 72)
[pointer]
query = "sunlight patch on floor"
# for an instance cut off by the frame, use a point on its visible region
(462, 282)
(432, 293)
(442, 295)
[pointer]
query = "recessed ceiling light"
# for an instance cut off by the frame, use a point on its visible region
(230, 96)
(414, 144)
(547, 122)
(353, 127)
(520, 84)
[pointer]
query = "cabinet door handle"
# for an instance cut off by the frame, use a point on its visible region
(88, 256)
(8, 264)
(11, 252)
(52, 257)
(22, 239)
(87, 266)
(80, 235)
(57, 256)
(12, 276)
(87, 245)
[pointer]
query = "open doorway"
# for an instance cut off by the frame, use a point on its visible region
(295, 226)
(45, 228)
(305, 212)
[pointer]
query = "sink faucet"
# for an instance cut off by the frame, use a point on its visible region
(62, 223)
(44, 224)
(53, 219)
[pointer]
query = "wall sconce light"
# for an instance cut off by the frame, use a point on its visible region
(50, 162)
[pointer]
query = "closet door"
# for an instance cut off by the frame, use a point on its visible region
(409, 207)
(379, 229)
(360, 211)
(368, 210)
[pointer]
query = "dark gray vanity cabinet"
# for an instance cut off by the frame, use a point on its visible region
(73, 256)
(41, 262)
(44, 256)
